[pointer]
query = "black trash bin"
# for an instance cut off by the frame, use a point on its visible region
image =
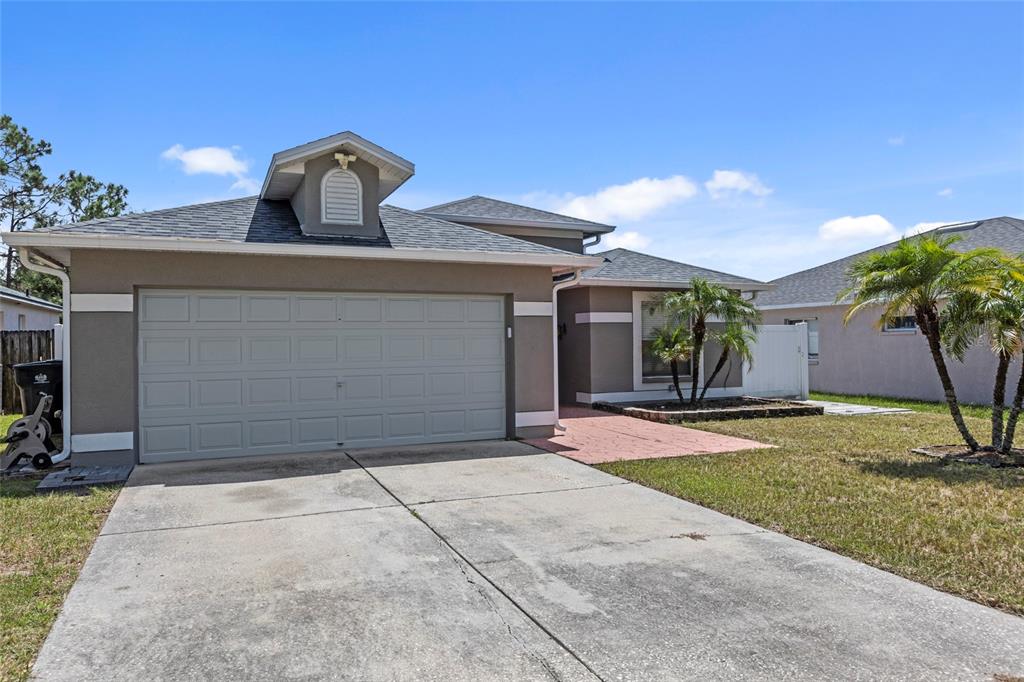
(36, 378)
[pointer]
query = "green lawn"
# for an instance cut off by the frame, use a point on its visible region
(43, 542)
(849, 484)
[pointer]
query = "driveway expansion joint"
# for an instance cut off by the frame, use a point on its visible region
(458, 557)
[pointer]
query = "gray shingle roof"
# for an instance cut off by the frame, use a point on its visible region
(485, 208)
(623, 264)
(14, 294)
(252, 220)
(823, 283)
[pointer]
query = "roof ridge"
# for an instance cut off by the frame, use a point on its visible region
(477, 230)
(135, 214)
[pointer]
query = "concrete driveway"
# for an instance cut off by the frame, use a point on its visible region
(483, 561)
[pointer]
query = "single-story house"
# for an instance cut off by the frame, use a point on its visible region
(860, 358)
(314, 316)
(21, 312)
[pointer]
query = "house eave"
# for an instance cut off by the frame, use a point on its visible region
(789, 306)
(680, 284)
(120, 243)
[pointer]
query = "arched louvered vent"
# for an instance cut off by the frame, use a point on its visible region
(341, 198)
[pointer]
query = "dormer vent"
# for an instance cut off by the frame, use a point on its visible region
(341, 195)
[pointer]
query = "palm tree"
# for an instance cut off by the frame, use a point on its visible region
(673, 344)
(699, 304)
(1011, 421)
(736, 339)
(997, 315)
(915, 276)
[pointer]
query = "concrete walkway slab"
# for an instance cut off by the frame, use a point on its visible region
(854, 409)
(486, 561)
(596, 437)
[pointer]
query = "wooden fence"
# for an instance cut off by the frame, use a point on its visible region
(15, 348)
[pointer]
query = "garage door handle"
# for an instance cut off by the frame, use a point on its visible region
(341, 383)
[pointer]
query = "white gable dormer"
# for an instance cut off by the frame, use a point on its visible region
(335, 184)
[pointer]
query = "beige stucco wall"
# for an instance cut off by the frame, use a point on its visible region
(103, 349)
(859, 359)
(598, 357)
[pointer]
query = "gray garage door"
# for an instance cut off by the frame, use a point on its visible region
(236, 373)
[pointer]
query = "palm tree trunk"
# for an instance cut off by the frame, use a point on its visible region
(999, 400)
(1011, 421)
(674, 366)
(928, 321)
(698, 346)
(718, 368)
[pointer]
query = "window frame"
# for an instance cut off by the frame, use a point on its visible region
(323, 197)
(886, 329)
(640, 298)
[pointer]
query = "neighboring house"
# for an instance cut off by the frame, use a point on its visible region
(21, 312)
(860, 358)
(313, 316)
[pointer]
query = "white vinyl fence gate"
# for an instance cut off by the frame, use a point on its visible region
(780, 362)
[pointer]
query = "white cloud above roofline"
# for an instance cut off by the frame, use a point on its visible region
(221, 161)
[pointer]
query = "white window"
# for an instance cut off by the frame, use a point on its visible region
(22, 323)
(901, 323)
(812, 335)
(649, 372)
(341, 198)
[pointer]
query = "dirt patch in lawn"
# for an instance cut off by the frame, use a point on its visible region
(671, 412)
(961, 454)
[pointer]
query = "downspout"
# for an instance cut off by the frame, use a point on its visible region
(597, 240)
(565, 284)
(51, 268)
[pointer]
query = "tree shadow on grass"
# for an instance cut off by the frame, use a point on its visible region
(1006, 478)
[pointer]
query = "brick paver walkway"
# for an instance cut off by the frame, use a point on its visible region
(595, 437)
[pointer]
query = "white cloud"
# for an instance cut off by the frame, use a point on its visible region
(725, 183)
(946, 192)
(897, 140)
(246, 185)
(626, 240)
(631, 201)
(854, 228)
(213, 161)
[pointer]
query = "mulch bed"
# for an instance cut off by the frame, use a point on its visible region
(960, 453)
(671, 412)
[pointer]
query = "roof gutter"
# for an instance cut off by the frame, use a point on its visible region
(179, 244)
(46, 266)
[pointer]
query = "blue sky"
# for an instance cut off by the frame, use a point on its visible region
(755, 138)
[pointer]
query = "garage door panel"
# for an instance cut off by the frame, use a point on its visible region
(235, 373)
(268, 309)
(218, 308)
